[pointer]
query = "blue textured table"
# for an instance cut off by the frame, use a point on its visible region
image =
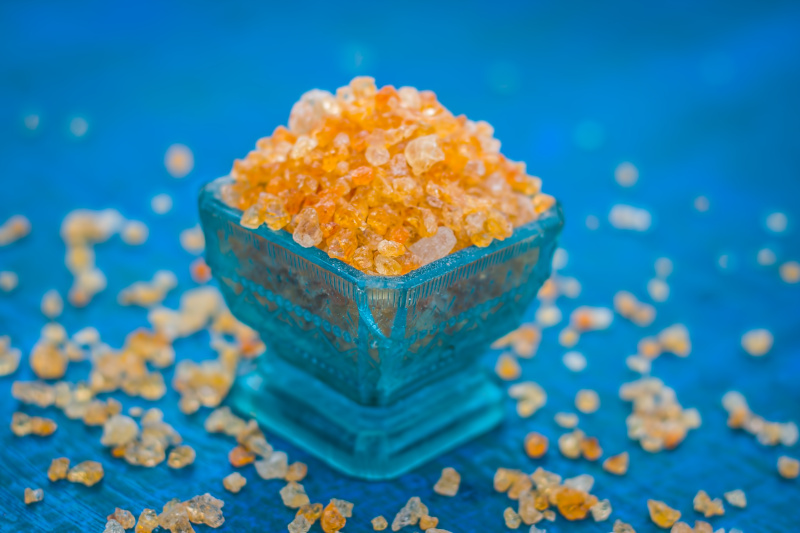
(702, 100)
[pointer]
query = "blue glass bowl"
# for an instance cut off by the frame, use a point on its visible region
(372, 374)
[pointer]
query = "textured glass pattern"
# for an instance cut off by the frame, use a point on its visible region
(372, 346)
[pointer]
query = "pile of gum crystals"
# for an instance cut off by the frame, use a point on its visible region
(386, 180)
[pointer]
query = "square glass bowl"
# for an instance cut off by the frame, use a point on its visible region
(372, 374)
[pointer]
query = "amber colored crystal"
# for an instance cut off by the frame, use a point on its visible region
(573, 504)
(58, 469)
(391, 162)
(240, 456)
(427, 522)
(332, 520)
(504, 478)
(617, 464)
(312, 511)
(590, 449)
(535, 445)
(661, 514)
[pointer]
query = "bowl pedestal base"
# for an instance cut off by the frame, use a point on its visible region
(377, 442)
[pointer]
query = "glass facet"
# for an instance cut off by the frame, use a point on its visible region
(372, 374)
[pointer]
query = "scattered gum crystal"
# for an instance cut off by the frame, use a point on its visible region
(629, 217)
(9, 357)
(675, 339)
(112, 526)
(790, 272)
(527, 509)
(520, 485)
(200, 271)
(628, 306)
(601, 510)
(736, 498)
(179, 160)
(134, 233)
(681, 527)
(548, 315)
(574, 504)
(332, 520)
(757, 342)
(345, 507)
(8, 280)
(296, 472)
(574, 361)
(448, 483)
(52, 304)
(379, 523)
(617, 464)
(568, 337)
(427, 523)
(240, 456)
(13, 229)
(662, 514)
(587, 401)
(299, 524)
(590, 449)
(583, 482)
(766, 432)
(638, 364)
(530, 397)
(148, 521)
(390, 165)
(234, 482)
(704, 504)
(149, 293)
(81, 229)
(626, 174)
(586, 318)
(566, 420)
(658, 289)
(33, 496)
(788, 467)
(88, 473)
(273, 467)
(569, 444)
(511, 518)
(622, 527)
(22, 425)
(193, 240)
(294, 495)
(48, 360)
(205, 509)
(507, 367)
(777, 222)
(123, 517)
(504, 478)
(58, 469)
(181, 456)
(701, 526)
(119, 430)
(175, 516)
(313, 511)
(536, 445)
(161, 204)
(658, 421)
(649, 347)
(409, 514)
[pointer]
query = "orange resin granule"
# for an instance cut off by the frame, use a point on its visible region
(386, 179)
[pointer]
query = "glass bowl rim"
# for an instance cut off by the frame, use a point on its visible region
(549, 222)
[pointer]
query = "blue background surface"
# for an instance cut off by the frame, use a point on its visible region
(701, 96)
